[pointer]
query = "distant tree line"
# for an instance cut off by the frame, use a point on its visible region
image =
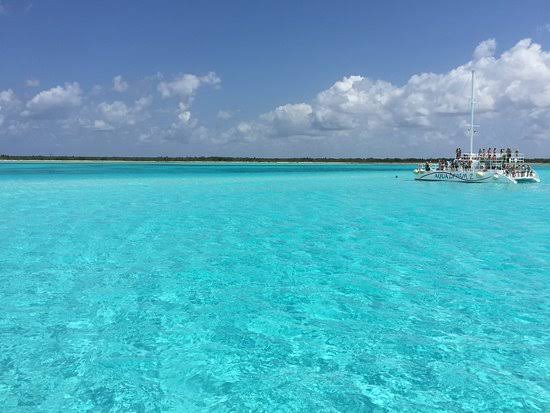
(219, 159)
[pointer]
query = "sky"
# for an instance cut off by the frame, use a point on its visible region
(272, 78)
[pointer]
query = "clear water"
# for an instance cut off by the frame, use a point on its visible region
(137, 287)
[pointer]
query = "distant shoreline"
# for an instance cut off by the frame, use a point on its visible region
(221, 159)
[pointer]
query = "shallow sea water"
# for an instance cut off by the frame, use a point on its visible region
(272, 287)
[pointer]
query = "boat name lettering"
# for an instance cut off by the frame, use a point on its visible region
(460, 175)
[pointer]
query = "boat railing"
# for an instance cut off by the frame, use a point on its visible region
(513, 157)
(474, 162)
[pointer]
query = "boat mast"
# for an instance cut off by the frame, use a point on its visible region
(472, 117)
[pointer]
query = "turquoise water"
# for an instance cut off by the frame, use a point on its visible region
(138, 287)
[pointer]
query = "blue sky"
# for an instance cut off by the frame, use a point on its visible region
(262, 77)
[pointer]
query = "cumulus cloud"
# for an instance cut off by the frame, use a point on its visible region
(119, 84)
(485, 49)
(143, 103)
(7, 97)
(517, 80)
(101, 125)
(291, 119)
(115, 112)
(55, 100)
(120, 113)
(184, 116)
(185, 87)
(8, 103)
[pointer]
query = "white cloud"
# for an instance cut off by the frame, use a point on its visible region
(182, 86)
(9, 104)
(32, 83)
(184, 115)
(115, 112)
(55, 100)
(359, 107)
(119, 84)
(211, 78)
(119, 113)
(101, 125)
(291, 119)
(185, 87)
(485, 49)
(143, 103)
(7, 97)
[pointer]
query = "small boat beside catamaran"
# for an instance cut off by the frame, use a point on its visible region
(485, 166)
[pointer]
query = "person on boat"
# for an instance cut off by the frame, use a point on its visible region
(459, 153)
(508, 154)
(427, 166)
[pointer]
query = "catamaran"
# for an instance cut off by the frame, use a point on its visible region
(484, 166)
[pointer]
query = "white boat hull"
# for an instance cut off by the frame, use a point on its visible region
(465, 177)
(474, 177)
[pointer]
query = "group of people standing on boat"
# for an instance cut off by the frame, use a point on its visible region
(521, 170)
(487, 160)
(491, 154)
(453, 165)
